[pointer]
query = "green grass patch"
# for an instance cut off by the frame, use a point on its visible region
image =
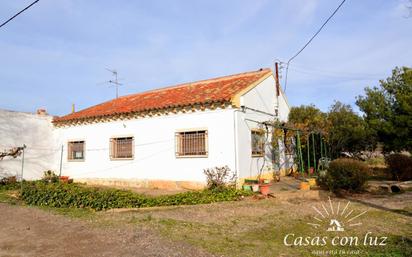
(9, 196)
(78, 196)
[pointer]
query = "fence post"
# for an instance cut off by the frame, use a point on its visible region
(314, 152)
(22, 169)
(61, 162)
(308, 150)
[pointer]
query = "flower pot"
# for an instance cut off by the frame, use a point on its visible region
(64, 179)
(247, 187)
(265, 189)
(255, 188)
(304, 186)
(312, 182)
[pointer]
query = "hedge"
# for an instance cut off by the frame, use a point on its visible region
(347, 174)
(78, 196)
(400, 166)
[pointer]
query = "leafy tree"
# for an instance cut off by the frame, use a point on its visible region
(308, 117)
(341, 127)
(348, 132)
(388, 110)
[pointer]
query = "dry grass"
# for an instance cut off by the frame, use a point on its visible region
(257, 228)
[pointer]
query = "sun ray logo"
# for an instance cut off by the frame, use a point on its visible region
(334, 218)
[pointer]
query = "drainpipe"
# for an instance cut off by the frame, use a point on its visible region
(235, 136)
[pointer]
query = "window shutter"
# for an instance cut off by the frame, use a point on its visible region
(177, 144)
(206, 143)
(111, 150)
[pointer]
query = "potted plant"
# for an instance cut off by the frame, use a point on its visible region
(265, 187)
(64, 179)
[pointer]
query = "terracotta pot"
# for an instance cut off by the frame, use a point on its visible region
(64, 179)
(304, 186)
(264, 189)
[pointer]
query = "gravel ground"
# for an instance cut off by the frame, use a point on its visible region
(33, 232)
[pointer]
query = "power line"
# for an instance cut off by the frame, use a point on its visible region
(334, 72)
(310, 40)
(336, 75)
(17, 14)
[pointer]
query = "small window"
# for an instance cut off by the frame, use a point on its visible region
(121, 148)
(75, 150)
(258, 142)
(191, 143)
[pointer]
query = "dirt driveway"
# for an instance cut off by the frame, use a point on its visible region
(250, 227)
(26, 231)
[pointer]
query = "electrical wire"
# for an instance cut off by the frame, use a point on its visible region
(334, 72)
(17, 14)
(336, 76)
(310, 40)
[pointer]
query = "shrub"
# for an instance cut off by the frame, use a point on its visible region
(77, 196)
(50, 177)
(400, 166)
(347, 174)
(8, 183)
(220, 178)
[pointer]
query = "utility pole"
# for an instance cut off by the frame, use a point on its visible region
(277, 78)
(277, 88)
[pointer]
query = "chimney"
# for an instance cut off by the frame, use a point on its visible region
(41, 111)
(73, 108)
(277, 78)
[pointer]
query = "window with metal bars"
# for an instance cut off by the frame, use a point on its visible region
(121, 148)
(191, 143)
(75, 150)
(258, 142)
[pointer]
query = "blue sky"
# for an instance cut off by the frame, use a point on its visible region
(57, 52)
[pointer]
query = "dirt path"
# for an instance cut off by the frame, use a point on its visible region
(33, 232)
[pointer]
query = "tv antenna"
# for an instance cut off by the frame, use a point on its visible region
(115, 82)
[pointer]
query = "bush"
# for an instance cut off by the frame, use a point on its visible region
(400, 166)
(77, 196)
(347, 174)
(50, 177)
(219, 178)
(7, 183)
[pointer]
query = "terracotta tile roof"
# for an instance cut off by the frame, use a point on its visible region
(216, 90)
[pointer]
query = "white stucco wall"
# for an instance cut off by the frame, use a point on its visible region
(154, 149)
(263, 98)
(36, 132)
